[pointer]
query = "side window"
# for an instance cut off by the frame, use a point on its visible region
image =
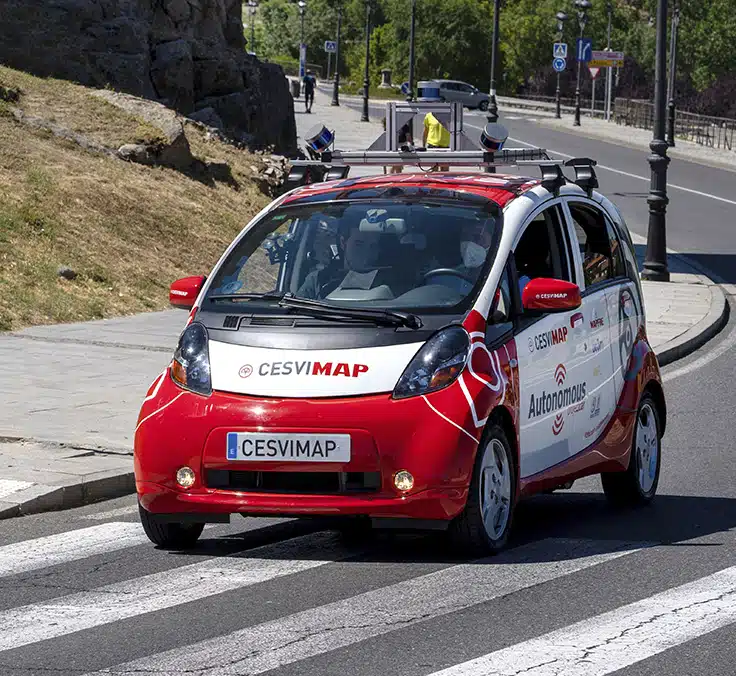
(600, 248)
(500, 319)
(543, 250)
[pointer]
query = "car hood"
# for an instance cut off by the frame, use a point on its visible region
(307, 373)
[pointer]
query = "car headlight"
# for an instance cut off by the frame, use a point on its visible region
(438, 364)
(191, 366)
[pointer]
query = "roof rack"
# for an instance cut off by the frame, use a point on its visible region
(328, 163)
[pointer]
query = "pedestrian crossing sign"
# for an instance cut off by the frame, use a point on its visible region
(560, 50)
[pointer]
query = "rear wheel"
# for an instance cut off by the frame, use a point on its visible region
(483, 106)
(169, 535)
(485, 523)
(638, 484)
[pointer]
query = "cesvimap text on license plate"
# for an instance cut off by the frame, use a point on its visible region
(269, 446)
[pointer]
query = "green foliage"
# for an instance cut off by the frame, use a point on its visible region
(453, 38)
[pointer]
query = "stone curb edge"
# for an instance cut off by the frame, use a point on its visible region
(40, 498)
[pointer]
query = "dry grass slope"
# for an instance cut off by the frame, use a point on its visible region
(127, 230)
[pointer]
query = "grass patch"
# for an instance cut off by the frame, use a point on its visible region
(127, 230)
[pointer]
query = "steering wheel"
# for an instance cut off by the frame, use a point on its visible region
(449, 271)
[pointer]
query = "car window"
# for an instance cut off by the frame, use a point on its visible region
(600, 248)
(500, 319)
(431, 254)
(542, 249)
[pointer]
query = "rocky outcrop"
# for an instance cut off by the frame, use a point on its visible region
(188, 54)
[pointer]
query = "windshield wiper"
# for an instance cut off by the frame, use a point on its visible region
(317, 308)
(249, 296)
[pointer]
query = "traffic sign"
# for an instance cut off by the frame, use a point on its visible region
(593, 71)
(584, 49)
(607, 59)
(330, 46)
(405, 88)
(560, 50)
(559, 65)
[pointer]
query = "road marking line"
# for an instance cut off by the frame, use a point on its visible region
(620, 638)
(724, 346)
(10, 486)
(52, 550)
(290, 639)
(29, 624)
(619, 171)
(112, 513)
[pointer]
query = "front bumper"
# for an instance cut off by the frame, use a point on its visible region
(422, 435)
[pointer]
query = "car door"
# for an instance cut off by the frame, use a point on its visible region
(601, 277)
(552, 371)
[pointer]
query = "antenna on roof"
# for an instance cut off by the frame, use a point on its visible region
(585, 176)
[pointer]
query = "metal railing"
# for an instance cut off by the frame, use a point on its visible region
(712, 132)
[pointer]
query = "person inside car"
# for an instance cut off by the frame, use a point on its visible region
(358, 253)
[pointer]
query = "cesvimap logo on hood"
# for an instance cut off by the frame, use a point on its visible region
(304, 368)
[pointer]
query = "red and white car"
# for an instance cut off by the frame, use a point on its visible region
(413, 350)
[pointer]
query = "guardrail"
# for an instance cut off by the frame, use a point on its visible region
(713, 132)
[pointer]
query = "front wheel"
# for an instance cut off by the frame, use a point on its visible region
(638, 484)
(169, 535)
(485, 523)
(483, 106)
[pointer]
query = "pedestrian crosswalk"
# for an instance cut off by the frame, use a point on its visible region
(376, 599)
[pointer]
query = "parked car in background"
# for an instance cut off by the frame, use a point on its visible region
(469, 96)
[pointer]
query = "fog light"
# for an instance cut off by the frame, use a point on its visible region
(185, 477)
(403, 480)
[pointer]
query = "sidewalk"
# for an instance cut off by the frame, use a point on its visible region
(71, 393)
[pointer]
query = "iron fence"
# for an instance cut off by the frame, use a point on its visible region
(713, 132)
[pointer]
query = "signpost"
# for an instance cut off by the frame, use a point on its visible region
(330, 48)
(584, 49)
(559, 64)
(606, 59)
(560, 50)
(593, 74)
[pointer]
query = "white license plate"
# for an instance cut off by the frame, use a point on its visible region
(273, 447)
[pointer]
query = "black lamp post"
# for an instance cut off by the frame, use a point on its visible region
(561, 18)
(673, 69)
(582, 6)
(336, 84)
(492, 104)
(252, 6)
(366, 76)
(655, 262)
(410, 95)
(609, 71)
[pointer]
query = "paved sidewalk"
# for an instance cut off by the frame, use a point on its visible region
(70, 394)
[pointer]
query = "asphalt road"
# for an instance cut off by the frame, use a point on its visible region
(583, 589)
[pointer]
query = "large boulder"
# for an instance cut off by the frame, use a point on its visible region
(188, 54)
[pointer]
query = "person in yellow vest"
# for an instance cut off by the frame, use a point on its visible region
(435, 136)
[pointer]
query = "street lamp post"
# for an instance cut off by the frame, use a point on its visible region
(561, 18)
(366, 76)
(410, 95)
(336, 84)
(492, 104)
(302, 8)
(655, 261)
(252, 6)
(673, 69)
(609, 71)
(582, 6)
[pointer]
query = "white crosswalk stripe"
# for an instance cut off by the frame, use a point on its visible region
(51, 550)
(620, 638)
(76, 612)
(273, 644)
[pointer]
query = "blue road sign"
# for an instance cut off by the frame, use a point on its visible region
(584, 49)
(560, 50)
(405, 88)
(559, 65)
(330, 46)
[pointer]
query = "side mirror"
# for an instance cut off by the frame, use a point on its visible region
(183, 292)
(550, 295)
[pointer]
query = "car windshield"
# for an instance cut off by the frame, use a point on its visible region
(395, 255)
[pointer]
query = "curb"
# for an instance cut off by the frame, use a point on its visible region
(698, 335)
(41, 498)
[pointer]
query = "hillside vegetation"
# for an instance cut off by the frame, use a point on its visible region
(126, 230)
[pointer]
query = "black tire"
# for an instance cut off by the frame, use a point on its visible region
(624, 489)
(169, 535)
(468, 530)
(483, 105)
